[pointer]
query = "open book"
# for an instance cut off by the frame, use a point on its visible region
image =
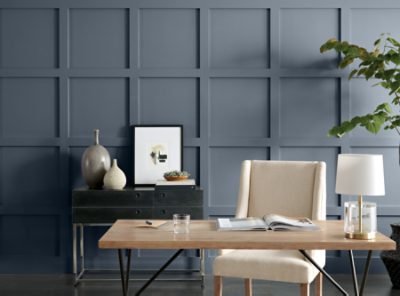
(271, 221)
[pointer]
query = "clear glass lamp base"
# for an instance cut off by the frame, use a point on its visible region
(353, 227)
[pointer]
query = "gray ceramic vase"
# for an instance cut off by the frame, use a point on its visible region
(95, 163)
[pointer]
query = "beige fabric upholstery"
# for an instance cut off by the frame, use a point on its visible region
(291, 188)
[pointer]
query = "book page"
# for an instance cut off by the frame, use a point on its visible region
(241, 224)
(282, 222)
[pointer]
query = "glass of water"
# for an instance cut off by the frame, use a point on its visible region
(181, 223)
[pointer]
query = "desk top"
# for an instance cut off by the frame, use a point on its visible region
(203, 235)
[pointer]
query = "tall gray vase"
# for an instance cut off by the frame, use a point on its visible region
(95, 163)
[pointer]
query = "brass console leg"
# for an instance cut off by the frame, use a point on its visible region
(74, 255)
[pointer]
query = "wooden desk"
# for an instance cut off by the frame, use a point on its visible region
(203, 235)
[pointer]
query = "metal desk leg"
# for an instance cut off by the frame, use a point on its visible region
(124, 276)
(336, 284)
(170, 260)
(202, 267)
(353, 273)
(358, 291)
(366, 270)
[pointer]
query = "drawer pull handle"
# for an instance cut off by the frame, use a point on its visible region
(137, 194)
(163, 194)
(163, 211)
(137, 211)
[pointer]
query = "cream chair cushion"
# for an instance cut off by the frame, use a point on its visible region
(274, 265)
(292, 188)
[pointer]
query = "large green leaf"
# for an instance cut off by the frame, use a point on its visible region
(381, 64)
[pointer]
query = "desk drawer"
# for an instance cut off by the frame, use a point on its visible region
(108, 215)
(112, 198)
(180, 198)
(167, 212)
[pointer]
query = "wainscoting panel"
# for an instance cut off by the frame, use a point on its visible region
(239, 107)
(30, 177)
(161, 97)
(101, 42)
(225, 163)
(309, 106)
(17, 117)
(327, 154)
(244, 78)
(169, 38)
(297, 25)
(364, 97)
(239, 38)
(28, 37)
(86, 97)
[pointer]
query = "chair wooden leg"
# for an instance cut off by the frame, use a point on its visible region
(318, 284)
(248, 288)
(217, 285)
(304, 289)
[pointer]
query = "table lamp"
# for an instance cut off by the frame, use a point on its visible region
(360, 174)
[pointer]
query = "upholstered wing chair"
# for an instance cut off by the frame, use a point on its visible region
(291, 188)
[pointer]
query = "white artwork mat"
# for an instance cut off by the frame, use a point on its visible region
(157, 150)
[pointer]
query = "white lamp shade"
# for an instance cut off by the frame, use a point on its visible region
(360, 174)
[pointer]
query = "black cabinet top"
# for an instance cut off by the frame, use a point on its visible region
(130, 189)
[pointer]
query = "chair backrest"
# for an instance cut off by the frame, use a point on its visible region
(292, 188)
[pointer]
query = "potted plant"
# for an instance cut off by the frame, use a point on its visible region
(382, 64)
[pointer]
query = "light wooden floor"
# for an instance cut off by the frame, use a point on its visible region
(61, 285)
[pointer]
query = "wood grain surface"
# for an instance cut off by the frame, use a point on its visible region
(204, 235)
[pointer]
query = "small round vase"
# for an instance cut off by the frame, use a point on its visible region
(95, 163)
(391, 258)
(114, 178)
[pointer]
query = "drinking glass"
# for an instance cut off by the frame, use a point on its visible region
(181, 223)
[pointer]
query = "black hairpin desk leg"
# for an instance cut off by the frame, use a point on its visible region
(125, 275)
(358, 291)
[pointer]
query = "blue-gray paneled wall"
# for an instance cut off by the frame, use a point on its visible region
(245, 78)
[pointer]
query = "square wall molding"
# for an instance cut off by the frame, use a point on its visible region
(99, 103)
(96, 43)
(163, 99)
(240, 107)
(29, 107)
(169, 38)
(309, 107)
(29, 38)
(239, 38)
(302, 32)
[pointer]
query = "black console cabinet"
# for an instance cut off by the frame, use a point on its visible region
(104, 207)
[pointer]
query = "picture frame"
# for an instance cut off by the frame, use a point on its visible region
(156, 149)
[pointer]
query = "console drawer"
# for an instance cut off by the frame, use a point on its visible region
(109, 215)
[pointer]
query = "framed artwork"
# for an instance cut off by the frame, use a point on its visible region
(156, 149)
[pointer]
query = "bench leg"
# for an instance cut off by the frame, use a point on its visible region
(217, 285)
(248, 287)
(304, 289)
(318, 284)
